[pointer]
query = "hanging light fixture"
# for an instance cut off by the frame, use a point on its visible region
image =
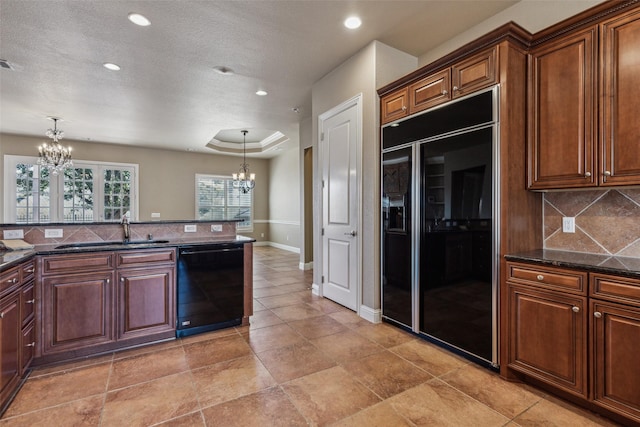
(244, 179)
(54, 156)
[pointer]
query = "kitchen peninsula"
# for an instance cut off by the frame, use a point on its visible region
(91, 291)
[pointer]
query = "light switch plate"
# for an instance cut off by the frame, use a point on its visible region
(568, 224)
(50, 233)
(13, 234)
(190, 228)
(155, 214)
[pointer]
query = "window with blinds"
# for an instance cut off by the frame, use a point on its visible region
(218, 199)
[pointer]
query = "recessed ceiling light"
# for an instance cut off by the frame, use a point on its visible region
(138, 19)
(111, 66)
(352, 22)
(221, 69)
(261, 92)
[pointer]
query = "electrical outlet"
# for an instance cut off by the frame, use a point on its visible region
(568, 224)
(261, 234)
(190, 228)
(216, 227)
(50, 233)
(13, 234)
(155, 214)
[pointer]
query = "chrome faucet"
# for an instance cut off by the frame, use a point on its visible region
(126, 228)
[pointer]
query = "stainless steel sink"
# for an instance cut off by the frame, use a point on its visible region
(111, 243)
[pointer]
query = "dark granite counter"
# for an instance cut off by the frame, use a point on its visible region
(622, 266)
(10, 258)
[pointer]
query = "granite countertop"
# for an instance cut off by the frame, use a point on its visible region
(10, 258)
(607, 264)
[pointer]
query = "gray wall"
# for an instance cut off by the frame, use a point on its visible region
(284, 198)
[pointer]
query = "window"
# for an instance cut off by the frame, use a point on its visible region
(217, 199)
(87, 192)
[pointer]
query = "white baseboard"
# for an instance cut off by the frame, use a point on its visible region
(315, 289)
(261, 244)
(277, 245)
(373, 315)
(306, 266)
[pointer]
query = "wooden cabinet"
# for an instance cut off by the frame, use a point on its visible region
(548, 328)
(10, 323)
(588, 77)
(620, 58)
(562, 115)
(102, 301)
(582, 343)
(464, 77)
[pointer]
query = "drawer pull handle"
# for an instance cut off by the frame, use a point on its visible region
(30, 301)
(32, 344)
(540, 277)
(31, 270)
(2, 315)
(12, 281)
(597, 314)
(575, 309)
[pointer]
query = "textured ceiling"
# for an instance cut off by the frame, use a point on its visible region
(167, 94)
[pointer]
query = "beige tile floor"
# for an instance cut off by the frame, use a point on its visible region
(303, 361)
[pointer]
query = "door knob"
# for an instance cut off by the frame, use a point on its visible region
(352, 233)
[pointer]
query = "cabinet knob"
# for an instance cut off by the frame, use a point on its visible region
(540, 277)
(607, 173)
(587, 174)
(32, 344)
(444, 92)
(575, 309)
(404, 108)
(2, 315)
(30, 301)
(122, 279)
(108, 281)
(597, 314)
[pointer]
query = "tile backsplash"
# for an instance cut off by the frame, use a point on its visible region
(607, 221)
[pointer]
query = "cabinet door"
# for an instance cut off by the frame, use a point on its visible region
(27, 347)
(561, 140)
(77, 311)
(616, 345)
(547, 333)
(620, 101)
(146, 301)
(9, 344)
(394, 106)
(430, 91)
(474, 73)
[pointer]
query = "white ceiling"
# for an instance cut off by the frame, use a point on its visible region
(167, 94)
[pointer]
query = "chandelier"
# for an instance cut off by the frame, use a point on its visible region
(54, 156)
(244, 180)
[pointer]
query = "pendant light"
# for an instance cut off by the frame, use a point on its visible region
(244, 179)
(52, 155)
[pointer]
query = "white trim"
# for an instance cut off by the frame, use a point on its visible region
(315, 289)
(373, 315)
(276, 221)
(285, 247)
(263, 243)
(306, 266)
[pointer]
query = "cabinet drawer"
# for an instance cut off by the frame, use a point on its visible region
(146, 257)
(615, 288)
(548, 277)
(27, 302)
(475, 73)
(77, 263)
(9, 279)
(28, 269)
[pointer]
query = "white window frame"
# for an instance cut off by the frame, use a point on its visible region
(239, 227)
(57, 185)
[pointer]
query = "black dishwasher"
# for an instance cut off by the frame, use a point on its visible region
(210, 287)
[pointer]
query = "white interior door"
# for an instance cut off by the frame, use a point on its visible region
(339, 141)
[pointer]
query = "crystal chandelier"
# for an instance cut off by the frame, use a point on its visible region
(54, 156)
(244, 179)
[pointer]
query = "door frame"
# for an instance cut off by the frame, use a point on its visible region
(317, 288)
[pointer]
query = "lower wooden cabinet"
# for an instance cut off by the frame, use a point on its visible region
(10, 324)
(584, 342)
(145, 301)
(548, 333)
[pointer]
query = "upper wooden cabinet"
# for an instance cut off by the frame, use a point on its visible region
(562, 95)
(584, 94)
(620, 56)
(464, 77)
